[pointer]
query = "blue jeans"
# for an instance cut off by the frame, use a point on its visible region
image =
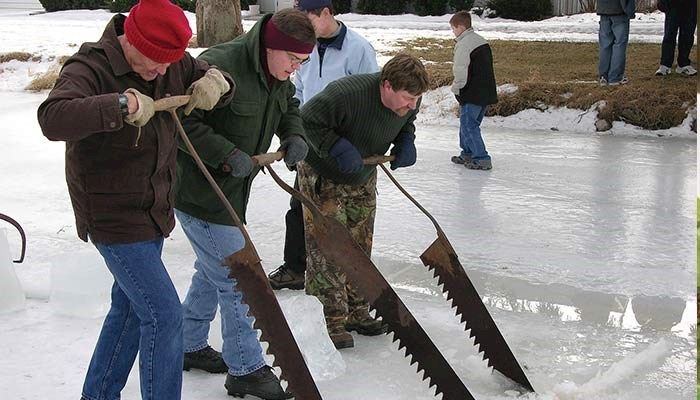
(682, 25)
(613, 35)
(470, 117)
(210, 287)
(145, 317)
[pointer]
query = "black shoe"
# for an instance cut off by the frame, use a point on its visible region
(483, 165)
(206, 359)
(261, 383)
(285, 277)
(461, 159)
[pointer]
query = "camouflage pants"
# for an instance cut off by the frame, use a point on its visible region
(354, 206)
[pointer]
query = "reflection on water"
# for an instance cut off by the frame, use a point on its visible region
(567, 303)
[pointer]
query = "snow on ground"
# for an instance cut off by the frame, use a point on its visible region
(581, 245)
(59, 34)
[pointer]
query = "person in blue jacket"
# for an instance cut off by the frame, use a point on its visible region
(339, 52)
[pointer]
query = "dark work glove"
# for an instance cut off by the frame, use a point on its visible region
(346, 156)
(404, 150)
(295, 149)
(238, 164)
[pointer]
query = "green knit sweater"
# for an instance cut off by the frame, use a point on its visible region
(351, 107)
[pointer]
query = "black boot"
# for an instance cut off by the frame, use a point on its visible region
(261, 383)
(206, 359)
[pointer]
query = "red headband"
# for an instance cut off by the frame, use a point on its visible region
(278, 40)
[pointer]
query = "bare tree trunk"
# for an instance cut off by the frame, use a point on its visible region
(218, 21)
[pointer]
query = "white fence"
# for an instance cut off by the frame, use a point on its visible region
(568, 7)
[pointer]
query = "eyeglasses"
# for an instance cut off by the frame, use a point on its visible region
(296, 60)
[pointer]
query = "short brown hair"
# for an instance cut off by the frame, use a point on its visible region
(296, 24)
(461, 18)
(406, 72)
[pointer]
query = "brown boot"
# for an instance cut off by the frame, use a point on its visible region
(341, 338)
(361, 322)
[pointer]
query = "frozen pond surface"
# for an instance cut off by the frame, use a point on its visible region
(581, 245)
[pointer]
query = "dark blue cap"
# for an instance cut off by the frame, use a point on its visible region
(307, 5)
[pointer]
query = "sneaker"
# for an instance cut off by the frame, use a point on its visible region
(342, 339)
(622, 81)
(206, 359)
(479, 165)
(663, 70)
(602, 81)
(460, 159)
(285, 277)
(262, 383)
(688, 70)
(363, 323)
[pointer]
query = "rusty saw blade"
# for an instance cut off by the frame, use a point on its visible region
(245, 267)
(340, 248)
(442, 258)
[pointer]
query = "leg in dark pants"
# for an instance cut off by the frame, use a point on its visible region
(668, 45)
(290, 275)
(294, 245)
(686, 36)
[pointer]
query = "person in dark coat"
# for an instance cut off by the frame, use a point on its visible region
(679, 22)
(120, 170)
(261, 61)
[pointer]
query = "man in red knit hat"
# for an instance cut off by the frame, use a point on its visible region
(120, 170)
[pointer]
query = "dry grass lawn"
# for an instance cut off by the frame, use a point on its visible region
(565, 74)
(19, 56)
(546, 73)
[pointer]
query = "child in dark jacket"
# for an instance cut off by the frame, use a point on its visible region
(474, 86)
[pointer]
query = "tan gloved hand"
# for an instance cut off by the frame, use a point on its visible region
(206, 91)
(144, 112)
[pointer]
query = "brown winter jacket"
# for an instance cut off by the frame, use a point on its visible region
(120, 180)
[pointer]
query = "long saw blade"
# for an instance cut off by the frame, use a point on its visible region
(339, 248)
(443, 260)
(246, 269)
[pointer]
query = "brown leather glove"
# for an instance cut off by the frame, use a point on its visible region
(144, 112)
(206, 91)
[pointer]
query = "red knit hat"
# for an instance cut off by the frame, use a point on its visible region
(158, 29)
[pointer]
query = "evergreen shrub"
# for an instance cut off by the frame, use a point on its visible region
(522, 10)
(384, 7)
(430, 7)
(122, 6)
(60, 5)
(459, 5)
(342, 6)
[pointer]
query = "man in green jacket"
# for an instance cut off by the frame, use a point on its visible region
(352, 118)
(261, 61)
